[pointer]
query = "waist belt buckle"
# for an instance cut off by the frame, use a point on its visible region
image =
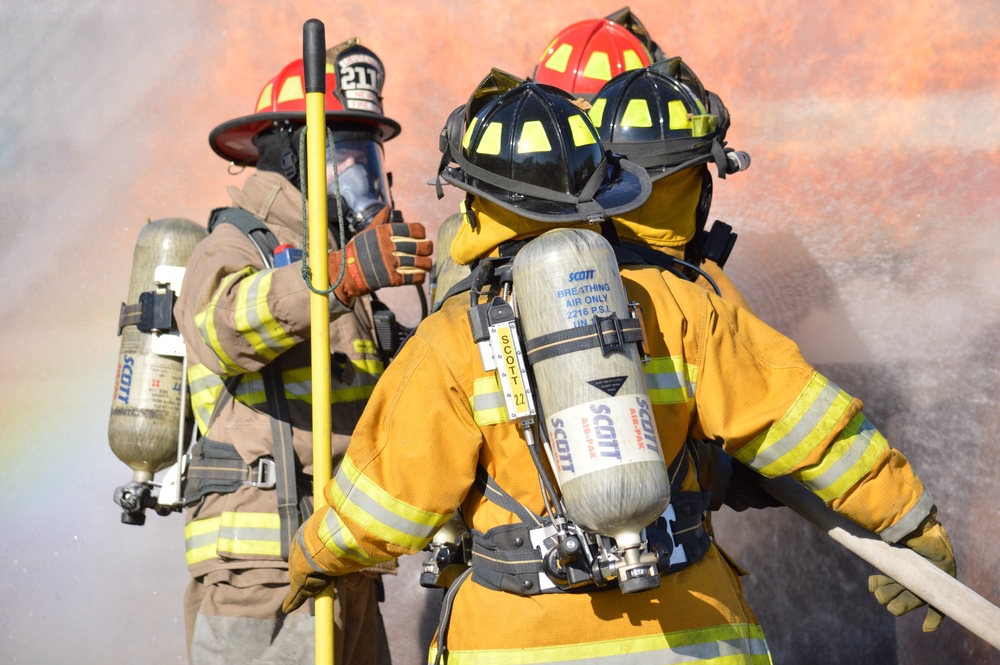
(266, 478)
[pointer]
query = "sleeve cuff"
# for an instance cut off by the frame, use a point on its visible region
(910, 521)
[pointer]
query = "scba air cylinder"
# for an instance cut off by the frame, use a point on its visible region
(596, 409)
(144, 427)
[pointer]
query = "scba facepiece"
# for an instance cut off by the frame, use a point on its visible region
(354, 170)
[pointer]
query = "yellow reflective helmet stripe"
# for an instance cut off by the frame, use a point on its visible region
(205, 320)
(581, 131)
(597, 111)
(671, 380)
(254, 319)
(846, 461)
(489, 142)
(291, 90)
(729, 644)
(468, 133)
(679, 118)
(637, 114)
(560, 58)
(487, 402)
(598, 66)
(632, 60)
(816, 410)
(264, 100)
(533, 138)
(358, 498)
(702, 125)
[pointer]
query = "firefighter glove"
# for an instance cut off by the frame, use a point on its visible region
(306, 583)
(930, 541)
(383, 255)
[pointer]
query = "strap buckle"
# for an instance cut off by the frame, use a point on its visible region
(614, 330)
(266, 476)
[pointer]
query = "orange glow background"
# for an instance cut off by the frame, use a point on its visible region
(867, 224)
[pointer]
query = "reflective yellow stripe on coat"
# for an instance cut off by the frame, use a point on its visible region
(732, 644)
(233, 533)
(805, 426)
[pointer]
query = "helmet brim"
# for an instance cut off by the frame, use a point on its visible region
(623, 194)
(233, 140)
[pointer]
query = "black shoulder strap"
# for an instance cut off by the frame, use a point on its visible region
(252, 228)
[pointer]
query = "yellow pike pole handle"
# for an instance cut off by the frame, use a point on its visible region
(314, 65)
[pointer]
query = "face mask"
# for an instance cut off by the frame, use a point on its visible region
(358, 195)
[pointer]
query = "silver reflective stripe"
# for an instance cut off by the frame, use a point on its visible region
(801, 430)
(709, 652)
(911, 520)
(484, 401)
(194, 542)
(244, 533)
(356, 496)
(862, 439)
(253, 316)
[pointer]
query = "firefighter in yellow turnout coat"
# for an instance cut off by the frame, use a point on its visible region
(717, 373)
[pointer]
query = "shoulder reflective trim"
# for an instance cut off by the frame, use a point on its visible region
(911, 520)
(205, 320)
(598, 66)
(679, 118)
(637, 114)
(489, 142)
(559, 59)
(533, 138)
(468, 133)
(846, 461)
(736, 644)
(291, 90)
(391, 520)
(254, 319)
(632, 60)
(340, 542)
(670, 380)
(265, 97)
(365, 346)
(487, 402)
(596, 111)
(809, 420)
(581, 131)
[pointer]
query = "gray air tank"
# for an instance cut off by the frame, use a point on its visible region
(447, 272)
(146, 407)
(596, 408)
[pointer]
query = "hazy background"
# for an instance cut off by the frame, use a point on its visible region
(867, 233)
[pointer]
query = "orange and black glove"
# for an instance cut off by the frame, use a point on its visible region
(306, 583)
(930, 541)
(383, 255)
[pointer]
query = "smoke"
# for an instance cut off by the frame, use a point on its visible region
(866, 234)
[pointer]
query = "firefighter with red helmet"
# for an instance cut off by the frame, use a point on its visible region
(244, 315)
(587, 54)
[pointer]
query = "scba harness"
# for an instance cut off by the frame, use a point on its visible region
(550, 554)
(218, 468)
